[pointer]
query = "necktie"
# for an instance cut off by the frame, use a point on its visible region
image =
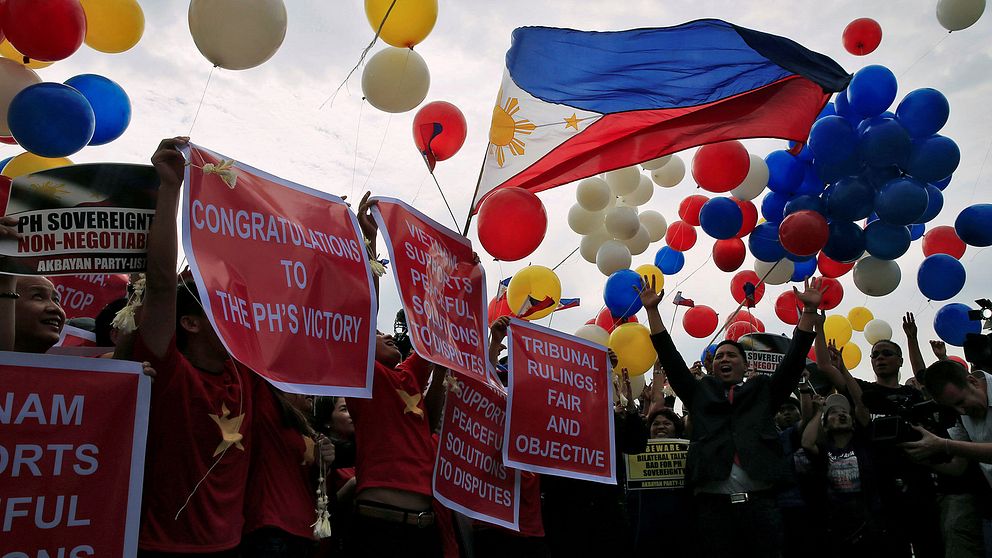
(730, 399)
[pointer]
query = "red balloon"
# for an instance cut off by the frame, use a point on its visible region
(8, 140)
(745, 316)
(680, 236)
(439, 130)
(943, 240)
(728, 255)
(803, 233)
(750, 213)
(811, 354)
(737, 330)
(700, 321)
(498, 307)
(46, 30)
(512, 223)
(606, 320)
(833, 292)
(689, 208)
(787, 307)
(862, 36)
(960, 361)
(832, 268)
(3, 8)
(738, 282)
(721, 167)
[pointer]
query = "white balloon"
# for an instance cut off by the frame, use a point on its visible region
(396, 80)
(612, 256)
(656, 163)
(594, 333)
(639, 244)
(655, 223)
(876, 277)
(642, 194)
(671, 174)
(584, 222)
(622, 222)
(781, 274)
(590, 243)
(877, 330)
(13, 79)
(755, 181)
(624, 181)
(594, 194)
(955, 15)
(237, 34)
(637, 384)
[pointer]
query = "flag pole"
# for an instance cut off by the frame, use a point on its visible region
(471, 203)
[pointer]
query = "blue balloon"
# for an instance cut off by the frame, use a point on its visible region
(804, 269)
(785, 172)
(773, 206)
(812, 184)
(933, 158)
(916, 231)
(846, 242)
(942, 183)
(828, 110)
(51, 119)
(885, 241)
(923, 112)
(621, 293)
(4, 162)
(805, 155)
(885, 143)
(880, 176)
(710, 351)
(871, 219)
(842, 108)
(872, 90)
(940, 277)
(764, 244)
(800, 203)
(111, 106)
(721, 218)
(850, 199)
(834, 143)
(669, 261)
(952, 324)
(973, 225)
(902, 201)
(864, 124)
(935, 202)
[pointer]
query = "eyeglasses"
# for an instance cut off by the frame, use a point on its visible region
(883, 352)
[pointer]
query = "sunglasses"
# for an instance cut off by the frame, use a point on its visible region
(883, 352)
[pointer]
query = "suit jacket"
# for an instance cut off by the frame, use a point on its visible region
(747, 427)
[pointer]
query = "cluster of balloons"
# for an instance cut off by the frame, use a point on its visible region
(532, 283)
(396, 79)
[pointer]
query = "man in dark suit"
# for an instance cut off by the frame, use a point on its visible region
(735, 459)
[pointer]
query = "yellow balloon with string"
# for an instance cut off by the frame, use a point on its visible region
(534, 292)
(27, 163)
(859, 316)
(408, 21)
(851, 355)
(8, 51)
(652, 272)
(838, 329)
(113, 26)
(632, 344)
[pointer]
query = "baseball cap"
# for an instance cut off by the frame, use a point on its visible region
(836, 400)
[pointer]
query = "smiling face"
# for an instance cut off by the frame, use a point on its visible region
(729, 364)
(662, 427)
(885, 359)
(386, 350)
(39, 317)
(341, 423)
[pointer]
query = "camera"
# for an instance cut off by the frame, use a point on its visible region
(984, 313)
(900, 414)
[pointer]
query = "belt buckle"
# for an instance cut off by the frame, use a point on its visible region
(738, 498)
(422, 517)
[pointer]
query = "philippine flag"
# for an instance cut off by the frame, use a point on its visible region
(576, 103)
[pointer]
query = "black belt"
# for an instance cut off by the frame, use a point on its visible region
(378, 511)
(736, 497)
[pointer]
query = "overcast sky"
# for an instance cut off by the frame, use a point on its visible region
(269, 117)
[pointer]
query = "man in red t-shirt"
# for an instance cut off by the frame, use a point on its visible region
(196, 465)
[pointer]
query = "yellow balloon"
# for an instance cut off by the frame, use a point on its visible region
(408, 23)
(113, 26)
(532, 286)
(27, 163)
(652, 272)
(632, 344)
(837, 328)
(7, 50)
(859, 316)
(851, 355)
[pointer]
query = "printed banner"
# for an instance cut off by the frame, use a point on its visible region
(83, 296)
(81, 219)
(469, 475)
(72, 449)
(764, 350)
(442, 288)
(661, 466)
(283, 275)
(560, 405)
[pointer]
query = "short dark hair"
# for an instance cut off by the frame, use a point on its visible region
(671, 415)
(187, 304)
(943, 372)
(792, 402)
(740, 348)
(889, 342)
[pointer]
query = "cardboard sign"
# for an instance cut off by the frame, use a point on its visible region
(660, 467)
(560, 405)
(284, 277)
(83, 296)
(442, 288)
(72, 447)
(469, 475)
(81, 219)
(764, 350)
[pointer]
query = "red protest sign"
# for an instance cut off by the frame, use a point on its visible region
(72, 447)
(469, 475)
(83, 296)
(283, 275)
(442, 288)
(559, 407)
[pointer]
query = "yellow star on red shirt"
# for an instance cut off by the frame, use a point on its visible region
(229, 427)
(411, 402)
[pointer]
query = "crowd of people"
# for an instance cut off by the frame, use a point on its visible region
(235, 467)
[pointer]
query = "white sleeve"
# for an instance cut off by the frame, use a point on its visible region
(957, 432)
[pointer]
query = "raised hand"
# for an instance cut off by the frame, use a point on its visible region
(939, 349)
(812, 293)
(365, 220)
(8, 228)
(909, 325)
(649, 298)
(169, 162)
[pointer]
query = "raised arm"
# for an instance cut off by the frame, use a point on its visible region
(371, 231)
(811, 434)
(823, 356)
(790, 370)
(497, 333)
(913, 346)
(679, 376)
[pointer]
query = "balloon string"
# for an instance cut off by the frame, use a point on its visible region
(981, 169)
(202, 97)
(924, 55)
(677, 285)
(361, 58)
(741, 305)
(419, 188)
(570, 254)
(354, 164)
(385, 133)
(450, 212)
